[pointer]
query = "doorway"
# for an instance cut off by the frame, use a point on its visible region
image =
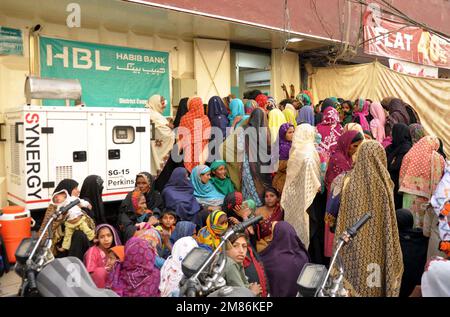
(249, 71)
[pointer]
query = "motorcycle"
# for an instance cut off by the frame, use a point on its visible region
(203, 271)
(43, 275)
(316, 281)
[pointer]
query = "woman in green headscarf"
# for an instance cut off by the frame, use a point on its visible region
(220, 178)
(304, 99)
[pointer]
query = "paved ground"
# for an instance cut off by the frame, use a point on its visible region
(9, 284)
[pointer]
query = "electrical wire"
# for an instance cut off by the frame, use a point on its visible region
(314, 6)
(397, 13)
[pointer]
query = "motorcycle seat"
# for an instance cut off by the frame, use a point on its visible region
(68, 277)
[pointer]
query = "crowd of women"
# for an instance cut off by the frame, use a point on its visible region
(311, 171)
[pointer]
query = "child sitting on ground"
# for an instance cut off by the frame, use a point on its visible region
(76, 219)
(167, 225)
(167, 222)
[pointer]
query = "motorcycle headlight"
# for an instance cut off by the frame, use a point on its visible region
(311, 278)
(194, 260)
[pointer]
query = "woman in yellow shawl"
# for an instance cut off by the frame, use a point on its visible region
(276, 119)
(216, 225)
(164, 137)
(302, 180)
(373, 261)
(290, 113)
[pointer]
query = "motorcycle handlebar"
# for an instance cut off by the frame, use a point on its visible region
(70, 205)
(240, 227)
(352, 231)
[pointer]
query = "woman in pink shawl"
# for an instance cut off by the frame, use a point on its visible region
(378, 122)
(137, 276)
(341, 159)
(340, 162)
(330, 129)
(360, 113)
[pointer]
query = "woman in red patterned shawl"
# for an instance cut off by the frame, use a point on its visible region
(194, 133)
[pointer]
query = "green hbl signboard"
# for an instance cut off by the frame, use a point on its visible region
(110, 76)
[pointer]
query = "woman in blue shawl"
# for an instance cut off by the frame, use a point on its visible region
(183, 229)
(204, 191)
(179, 195)
(237, 111)
(306, 115)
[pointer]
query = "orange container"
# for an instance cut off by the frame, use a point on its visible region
(15, 225)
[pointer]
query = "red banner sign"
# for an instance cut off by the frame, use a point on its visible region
(396, 40)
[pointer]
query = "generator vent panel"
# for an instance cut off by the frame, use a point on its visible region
(63, 172)
(15, 153)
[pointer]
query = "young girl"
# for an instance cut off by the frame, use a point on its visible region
(216, 225)
(97, 259)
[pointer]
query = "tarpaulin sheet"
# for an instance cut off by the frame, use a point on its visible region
(430, 97)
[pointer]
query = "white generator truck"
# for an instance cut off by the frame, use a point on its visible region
(45, 144)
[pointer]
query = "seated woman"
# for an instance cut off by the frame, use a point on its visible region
(137, 276)
(220, 179)
(234, 269)
(142, 215)
(171, 273)
(285, 136)
(79, 241)
(283, 260)
(271, 212)
(129, 217)
(97, 259)
(237, 211)
(154, 238)
(178, 195)
(204, 191)
(216, 225)
(92, 192)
